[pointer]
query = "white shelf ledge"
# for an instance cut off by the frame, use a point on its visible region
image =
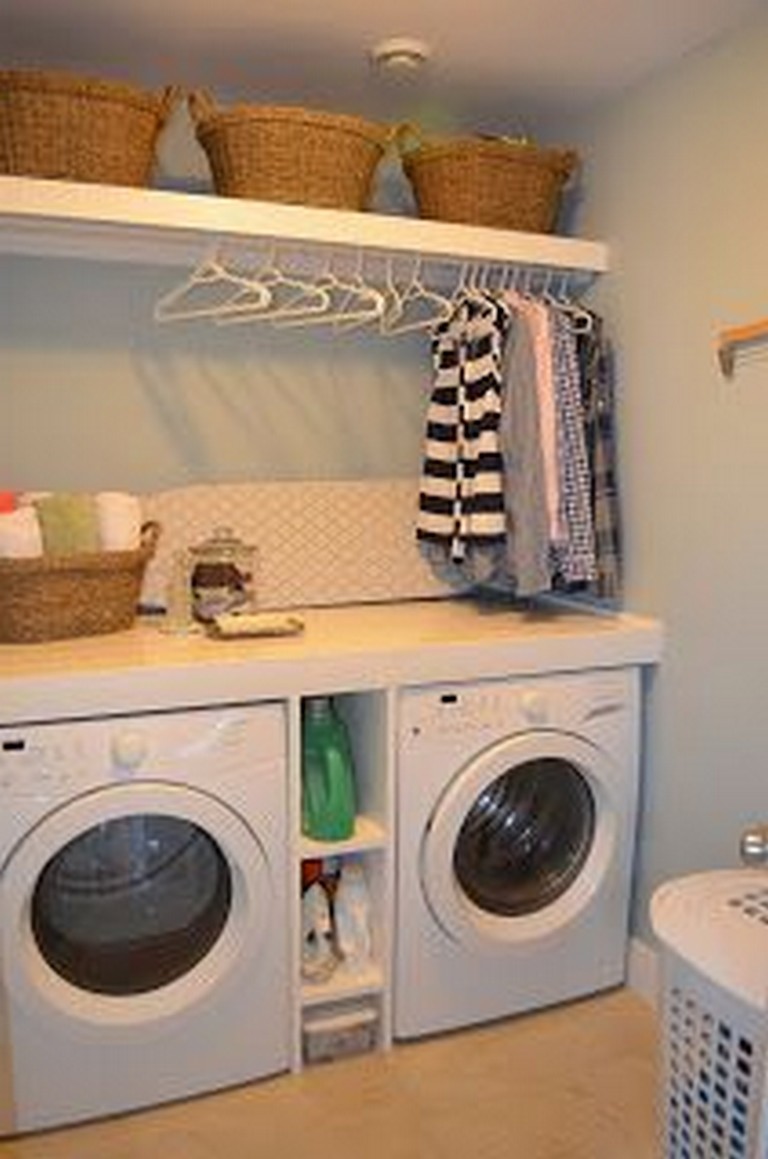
(368, 835)
(114, 223)
(343, 983)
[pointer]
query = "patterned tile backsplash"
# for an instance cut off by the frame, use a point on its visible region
(316, 542)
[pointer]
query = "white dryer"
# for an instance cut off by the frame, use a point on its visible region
(516, 815)
(143, 902)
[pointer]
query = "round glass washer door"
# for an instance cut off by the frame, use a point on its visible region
(520, 840)
(132, 903)
(526, 837)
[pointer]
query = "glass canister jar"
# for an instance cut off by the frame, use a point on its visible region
(221, 575)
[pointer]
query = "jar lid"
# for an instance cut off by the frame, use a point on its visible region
(222, 542)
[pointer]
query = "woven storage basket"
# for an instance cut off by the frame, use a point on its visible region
(492, 182)
(295, 155)
(61, 125)
(57, 597)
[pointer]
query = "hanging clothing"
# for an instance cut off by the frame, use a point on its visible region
(461, 501)
(595, 366)
(518, 488)
(525, 484)
(538, 316)
(574, 554)
(546, 472)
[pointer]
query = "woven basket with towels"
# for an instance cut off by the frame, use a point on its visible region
(77, 586)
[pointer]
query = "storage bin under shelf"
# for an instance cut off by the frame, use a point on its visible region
(341, 1030)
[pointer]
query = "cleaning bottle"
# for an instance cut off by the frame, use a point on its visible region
(352, 916)
(327, 773)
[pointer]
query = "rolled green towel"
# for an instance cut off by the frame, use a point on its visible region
(68, 523)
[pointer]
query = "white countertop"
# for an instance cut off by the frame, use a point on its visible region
(341, 649)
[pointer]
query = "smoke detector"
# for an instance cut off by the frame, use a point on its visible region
(400, 54)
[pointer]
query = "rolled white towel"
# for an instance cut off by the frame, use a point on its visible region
(119, 516)
(20, 536)
(29, 498)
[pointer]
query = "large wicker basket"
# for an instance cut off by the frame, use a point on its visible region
(57, 124)
(295, 155)
(489, 181)
(57, 597)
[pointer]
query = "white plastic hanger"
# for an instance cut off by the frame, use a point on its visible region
(213, 283)
(371, 302)
(581, 319)
(351, 301)
(289, 296)
(415, 298)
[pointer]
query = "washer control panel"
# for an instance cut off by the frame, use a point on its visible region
(481, 708)
(45, 766)
(32, 765)
(61, 758)
(504, 707)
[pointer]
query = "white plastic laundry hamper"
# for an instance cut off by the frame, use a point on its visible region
(713, 929)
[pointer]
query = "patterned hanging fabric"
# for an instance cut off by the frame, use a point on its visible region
(595, 366)
(461, 502)
(518, 487)
(527, 490)
(574, 555)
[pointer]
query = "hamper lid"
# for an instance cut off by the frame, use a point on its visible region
(717, 922)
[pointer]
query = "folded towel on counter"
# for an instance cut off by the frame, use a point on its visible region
(20, 536)
(68, 522)
(119, 520)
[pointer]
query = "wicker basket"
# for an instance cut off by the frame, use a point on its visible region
(90, 594)
(295, 155)
(492, 182)
(61, 125)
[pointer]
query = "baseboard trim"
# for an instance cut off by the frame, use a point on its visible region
(643, 970)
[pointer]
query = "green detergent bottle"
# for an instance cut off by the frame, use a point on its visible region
(327, 773)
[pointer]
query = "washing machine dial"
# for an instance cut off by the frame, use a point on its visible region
(534, 707)
(129, 748)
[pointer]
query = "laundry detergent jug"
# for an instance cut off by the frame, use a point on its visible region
(327, 773)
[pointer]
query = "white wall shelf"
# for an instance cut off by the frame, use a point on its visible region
(157, 227)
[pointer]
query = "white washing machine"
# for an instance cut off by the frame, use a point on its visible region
(143, 904)
(516, 815)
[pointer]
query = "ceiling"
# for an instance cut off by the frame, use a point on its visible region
(494, 61)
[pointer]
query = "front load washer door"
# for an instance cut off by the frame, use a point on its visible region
(520, 840)
(131, 904)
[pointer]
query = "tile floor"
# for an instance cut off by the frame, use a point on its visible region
(575, 1082)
